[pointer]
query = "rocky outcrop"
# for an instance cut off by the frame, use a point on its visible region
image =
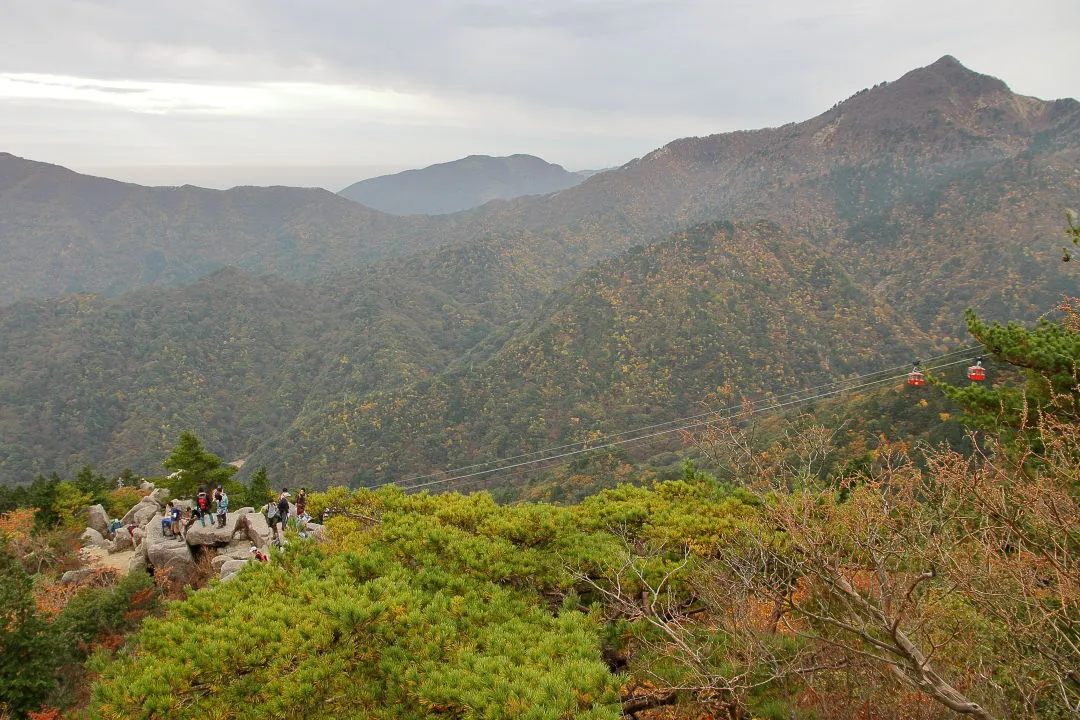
(160, 495)
(171, 554)
(255, 527)
(91, 536)
(141, 513)
(212, 535)
(98, 519)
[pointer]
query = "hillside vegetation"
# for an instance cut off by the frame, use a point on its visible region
(895, 589)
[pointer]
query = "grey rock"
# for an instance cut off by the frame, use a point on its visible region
(174, 557)
(98, 519)
(92, 537)
(230, 567)
(122, 541)
(146, 485)
(160, 496)
(212, 535)
(141, 513)
(137, 563)
(256, 529)
(73, 577)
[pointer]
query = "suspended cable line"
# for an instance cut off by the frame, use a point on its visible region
(764, 404)
(964, 351)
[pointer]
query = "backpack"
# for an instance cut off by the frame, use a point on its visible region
(271, 510)
(202, 501)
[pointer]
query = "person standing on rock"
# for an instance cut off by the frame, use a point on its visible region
(283, 509)
(301, 502)
(202, 502)
(271, 510)
(222, 505)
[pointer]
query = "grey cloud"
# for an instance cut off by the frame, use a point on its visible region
(681, 65)
(701, 57)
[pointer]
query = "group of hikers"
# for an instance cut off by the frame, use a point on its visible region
(277, 512)
(200, 510)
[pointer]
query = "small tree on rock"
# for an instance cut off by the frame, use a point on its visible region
(194, 467)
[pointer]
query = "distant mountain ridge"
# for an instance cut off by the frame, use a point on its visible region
(63, 232)
(461, 184)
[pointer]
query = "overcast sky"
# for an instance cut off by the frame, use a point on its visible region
(325, 92)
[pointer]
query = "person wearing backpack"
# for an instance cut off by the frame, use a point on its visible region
(283, 509)
(202, 503)
(174, 518)
(272, 517)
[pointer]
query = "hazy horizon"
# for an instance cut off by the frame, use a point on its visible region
(265, 91)
(223, 177)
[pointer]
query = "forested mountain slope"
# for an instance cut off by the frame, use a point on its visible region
(460, 185)
(414, 363)
(62, 232)
(640, 339)
(111, 381)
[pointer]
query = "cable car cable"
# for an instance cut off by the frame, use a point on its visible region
(608, 436)
(615, 443)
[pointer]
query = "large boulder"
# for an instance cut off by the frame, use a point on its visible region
(211, 535)
(236, 550)
(255, 528)
(98, 519)
(141, 513)
(160, 496)
(315, 531)
(146, 486)
(168, 553)
(176, 559)
(91, 536)
(122, 541)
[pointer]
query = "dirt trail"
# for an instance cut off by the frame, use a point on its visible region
(94, 557)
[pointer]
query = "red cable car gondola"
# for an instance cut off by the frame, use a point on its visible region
(976, 372)
(916, 377)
